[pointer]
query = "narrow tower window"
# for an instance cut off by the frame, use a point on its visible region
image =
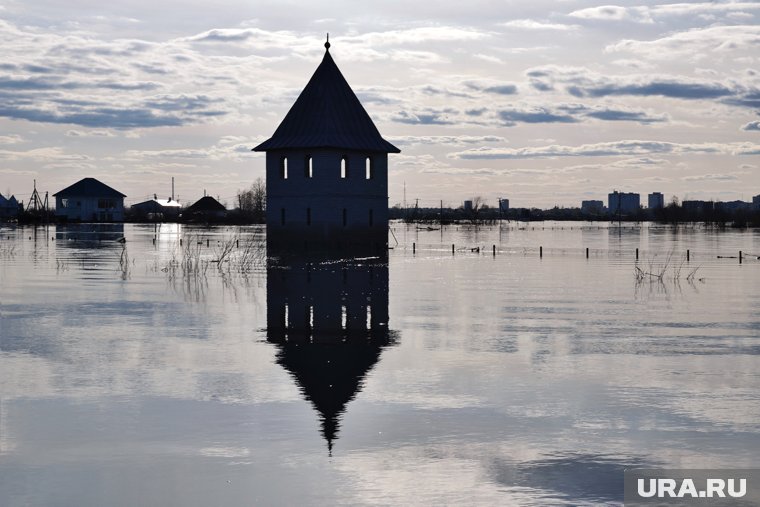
(345, 217)
(308, 216)
(344, 168)
(368, 169)
(308, 167)
(284, 168)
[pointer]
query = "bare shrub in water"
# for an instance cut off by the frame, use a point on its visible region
(656, 271)
(233, 254)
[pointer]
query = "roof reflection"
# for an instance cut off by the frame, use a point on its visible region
(328, 316)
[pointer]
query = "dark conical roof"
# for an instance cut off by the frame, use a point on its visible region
(206, 203)
(327, 114)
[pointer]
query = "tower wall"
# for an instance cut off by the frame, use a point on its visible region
(334, 204)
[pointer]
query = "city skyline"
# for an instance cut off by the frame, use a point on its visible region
(547, 104)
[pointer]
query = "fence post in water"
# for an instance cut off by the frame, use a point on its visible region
(206, 243)
(637, 254)
(587, 252)
(494, 250)
(154, 240)
(452, 249)
(180, 241)
(687, 256)
(541, 251)
(740, 256)
(414, 247)
(237, 243)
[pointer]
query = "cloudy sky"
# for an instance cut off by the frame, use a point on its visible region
(545, 103)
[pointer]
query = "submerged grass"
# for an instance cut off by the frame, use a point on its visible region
(235, 254)
(658, 270)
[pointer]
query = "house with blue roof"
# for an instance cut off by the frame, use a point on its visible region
(9, 208)
(89, 200)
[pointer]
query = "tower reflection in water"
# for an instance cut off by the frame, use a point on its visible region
(328, 316)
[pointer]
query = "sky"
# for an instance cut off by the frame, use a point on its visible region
(543, 103)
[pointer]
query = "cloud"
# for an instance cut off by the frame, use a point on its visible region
(488, 58)
(415, 36)
(752, 126)
(700, 43)
(750, 99)
(426, 116)
(574, 113)
(226, 148)
(462, 171)
(664, 88)
(99, 117)
(181, 102)
(476, 112)
(581, 82)
(609, 149)
(89, 133)
(624, 115)
(11, 139)
(530, 24)
(711, 177)
(445, 140)
(648, 14)
(613, 13)
(48, 153)
(533, 115)
(492, 87)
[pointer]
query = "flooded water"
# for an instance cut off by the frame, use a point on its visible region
(146, 373)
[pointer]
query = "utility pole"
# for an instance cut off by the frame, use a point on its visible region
(405, 208)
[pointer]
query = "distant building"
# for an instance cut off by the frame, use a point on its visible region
(90, 200)
(697, 206)
(732, 206)
(503, 205)
(327, 168)
(656, 200)
(756, 202)
(468, 206)
(205, 208)
(158, 208)
(592, 207)
(9, 208)
(623, 202)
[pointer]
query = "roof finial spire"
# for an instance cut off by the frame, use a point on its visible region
(327, 44)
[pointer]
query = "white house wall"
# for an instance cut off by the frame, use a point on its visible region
(88, 210)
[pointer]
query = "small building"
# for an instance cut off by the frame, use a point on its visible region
(89, 200)
(327, 168)
(655, 200)
(467, 206)
(9, 208)
(205, 208)
(158, 208)
(503, 205)
(623, 202)
(592, 207)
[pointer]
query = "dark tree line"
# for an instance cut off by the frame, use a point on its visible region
(252, 202)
